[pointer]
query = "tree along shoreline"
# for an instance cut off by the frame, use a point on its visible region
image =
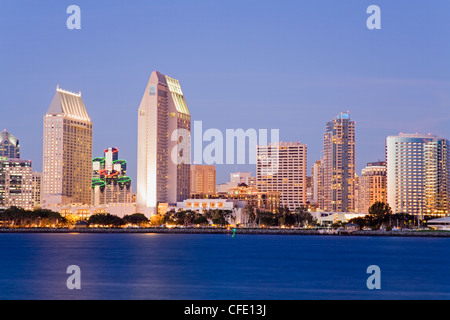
(237, 231)
(379, 219)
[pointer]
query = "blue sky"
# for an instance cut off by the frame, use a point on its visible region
(288, 65)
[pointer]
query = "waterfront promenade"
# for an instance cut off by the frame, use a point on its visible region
(239, 231)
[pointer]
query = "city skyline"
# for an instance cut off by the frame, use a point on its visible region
(253, 150)
(376, 75)
(252, 167)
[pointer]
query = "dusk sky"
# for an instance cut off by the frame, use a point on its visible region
(287, 65)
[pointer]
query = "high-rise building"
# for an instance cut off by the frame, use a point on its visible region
(315, 181)
(203, 179)
(437, 177)
(9, 146)
(282, 167)
(67, 161)
(338, 165)
(372, 185)
(164, 142)
(16, 183)
(37, 189)
(110, 183)
(418, 180)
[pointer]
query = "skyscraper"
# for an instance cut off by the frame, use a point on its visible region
(67, 161)
(372, 185)
(282, 167)
(164, 127)
(9, 145)
(110, 183)
(418, 174)
(437, 177)
(338, 165)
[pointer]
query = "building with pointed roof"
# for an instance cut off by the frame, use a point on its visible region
(9, 145)
(67, 154)
(164, 126)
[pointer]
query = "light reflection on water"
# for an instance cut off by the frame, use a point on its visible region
(208, 267)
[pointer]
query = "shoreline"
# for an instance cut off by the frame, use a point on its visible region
(239, 231)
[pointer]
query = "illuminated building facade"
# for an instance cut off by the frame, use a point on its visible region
(237, 178)
(164, 143)
(281, 167)
(437, 178)
(9, 146)
(263, 201)
(16, 183)
(418, 174)
(338, 165)
(67, 166)
(110, 183)
(372, 185)
(203, 179)
(315, 169)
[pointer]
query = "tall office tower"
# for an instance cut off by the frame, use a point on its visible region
(9, 145)
(164, 143)
(418, 180)
(110, 183)
(372, 185)
(282, 167)
(67, 163)
(339, 164)
(203, 179)
(16, 183)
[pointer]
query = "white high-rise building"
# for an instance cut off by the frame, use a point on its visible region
(67, 163)
(418, 180)
(164, 142)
